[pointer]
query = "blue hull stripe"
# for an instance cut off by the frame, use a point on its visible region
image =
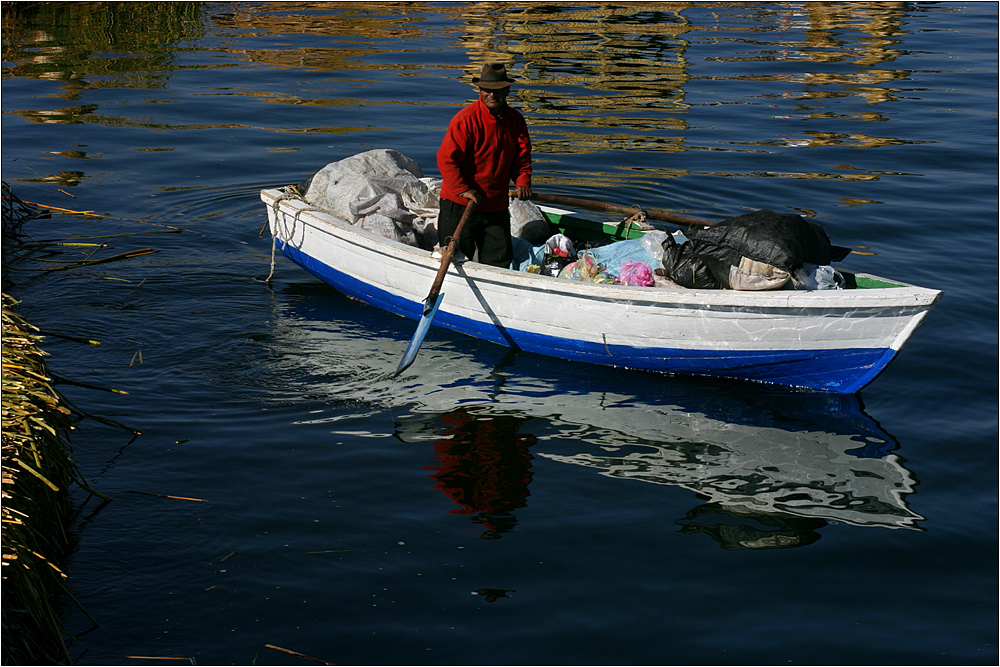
(842, 371)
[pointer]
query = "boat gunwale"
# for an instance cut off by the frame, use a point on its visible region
(905, 295)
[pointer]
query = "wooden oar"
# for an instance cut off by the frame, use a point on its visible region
(434, 297)
(662, 216)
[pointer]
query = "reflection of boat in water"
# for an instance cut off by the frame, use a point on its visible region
(774, 463)
(771, 468)
(769, 477)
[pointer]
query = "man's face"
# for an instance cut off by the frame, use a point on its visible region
(494, 99)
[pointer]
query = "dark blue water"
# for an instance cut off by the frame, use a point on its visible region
(491, 507)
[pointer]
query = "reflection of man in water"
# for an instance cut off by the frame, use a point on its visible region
(485, 467)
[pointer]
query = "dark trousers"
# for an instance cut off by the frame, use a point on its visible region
(485, 233)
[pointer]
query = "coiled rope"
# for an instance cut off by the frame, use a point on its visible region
(287, 192)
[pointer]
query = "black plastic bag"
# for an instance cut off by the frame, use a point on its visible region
(553, 264)
(783, 240)
(686, 269)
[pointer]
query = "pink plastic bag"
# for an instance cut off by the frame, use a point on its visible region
(636, 273)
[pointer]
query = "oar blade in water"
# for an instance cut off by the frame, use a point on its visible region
(418, 336)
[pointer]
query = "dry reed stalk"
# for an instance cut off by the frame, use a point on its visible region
(297, 654)
(36, 471)
(160, 495)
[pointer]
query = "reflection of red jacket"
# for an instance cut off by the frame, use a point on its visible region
(485, 462)
(484, 153)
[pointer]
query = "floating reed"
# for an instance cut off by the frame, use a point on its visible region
(24, 254)
(297, 654)
(36, 471)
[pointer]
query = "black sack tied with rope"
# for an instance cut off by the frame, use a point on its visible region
(685, 268)
(782, 240)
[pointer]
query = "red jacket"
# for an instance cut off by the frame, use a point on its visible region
(481, 152)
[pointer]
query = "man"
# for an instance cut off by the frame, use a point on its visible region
(486, 147)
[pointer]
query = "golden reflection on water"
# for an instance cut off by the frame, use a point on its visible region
(591, 78)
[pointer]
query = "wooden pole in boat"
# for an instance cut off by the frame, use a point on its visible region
(662, 216)
(434, 297)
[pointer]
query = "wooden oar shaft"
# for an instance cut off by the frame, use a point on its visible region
(434, 297)
(449, 251)
(662, 216)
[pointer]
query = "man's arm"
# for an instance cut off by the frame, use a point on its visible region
(450, 157)
(521, 168)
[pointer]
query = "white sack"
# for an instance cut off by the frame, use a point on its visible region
(752, 275)
(527, 222)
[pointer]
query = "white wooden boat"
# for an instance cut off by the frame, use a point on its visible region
(825, 340)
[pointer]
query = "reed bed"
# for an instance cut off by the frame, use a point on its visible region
(37, 420)
(36, 471)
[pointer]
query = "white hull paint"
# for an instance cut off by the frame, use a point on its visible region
(830, 340)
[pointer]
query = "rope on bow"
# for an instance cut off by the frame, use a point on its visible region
(288, 192)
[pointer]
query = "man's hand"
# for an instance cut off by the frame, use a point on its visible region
(472, 196)
(523, 192)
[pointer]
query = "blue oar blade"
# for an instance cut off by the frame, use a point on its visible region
(418, 336)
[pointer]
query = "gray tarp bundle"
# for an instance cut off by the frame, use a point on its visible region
(381, 190)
